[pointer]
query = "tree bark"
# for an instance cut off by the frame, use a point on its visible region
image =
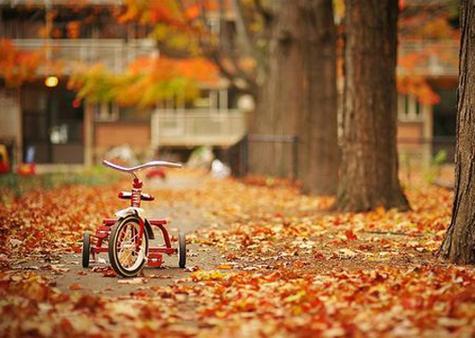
(299, 98)
(369, 168)
(318, 127)
(459, 243)
(278, 99)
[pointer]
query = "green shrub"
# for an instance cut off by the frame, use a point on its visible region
(13, 185)
(436, 164)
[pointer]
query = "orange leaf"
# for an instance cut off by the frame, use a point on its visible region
(75, 286)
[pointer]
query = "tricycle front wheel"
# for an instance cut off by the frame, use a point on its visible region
(181, 250)
(126, 256)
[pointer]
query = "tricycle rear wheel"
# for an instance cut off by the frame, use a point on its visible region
(181, 250)
(86, 249)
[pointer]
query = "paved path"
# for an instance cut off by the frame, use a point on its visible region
(68, 273)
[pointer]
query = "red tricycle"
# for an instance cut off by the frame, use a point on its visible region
(128, 234)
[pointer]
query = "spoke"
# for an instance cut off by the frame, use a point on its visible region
(122, 245)
(127, 245)
(125, 259)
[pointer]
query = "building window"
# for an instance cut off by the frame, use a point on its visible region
(409, 108)
(106, 112)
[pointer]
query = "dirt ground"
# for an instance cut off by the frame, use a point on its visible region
(92, 279)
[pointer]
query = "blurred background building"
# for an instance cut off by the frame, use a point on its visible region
(426, 129)
(64, 130)
(45, 114)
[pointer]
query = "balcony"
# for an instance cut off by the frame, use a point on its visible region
(197, 127)
(429, 58)
(115, 54)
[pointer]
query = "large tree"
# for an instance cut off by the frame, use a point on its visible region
(280, 52)
(459, 243)
(318, 129)
(298, 97)
(369, 168)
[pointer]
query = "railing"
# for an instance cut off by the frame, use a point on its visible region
(428, 58)
(197, 127)
(115, 54)
(431, 58)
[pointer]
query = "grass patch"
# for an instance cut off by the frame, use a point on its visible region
(14, 186)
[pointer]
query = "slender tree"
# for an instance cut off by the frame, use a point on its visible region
(459, 243)
(369, 168)
(298, 97)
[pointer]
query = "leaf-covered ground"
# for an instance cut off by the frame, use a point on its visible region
(288, 268)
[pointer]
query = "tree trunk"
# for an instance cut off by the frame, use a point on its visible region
(278, 99)
(318, 138)
(369, 169)
(459, 243)
(299, 98)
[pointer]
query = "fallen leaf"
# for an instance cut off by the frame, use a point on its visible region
(75, 286)
(136, 280)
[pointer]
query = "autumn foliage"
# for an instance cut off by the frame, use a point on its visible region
(171, 12)
(18, 66)
(147, 81)
(426, 26)
(188, 51)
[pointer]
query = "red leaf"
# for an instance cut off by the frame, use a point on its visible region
(350, 235)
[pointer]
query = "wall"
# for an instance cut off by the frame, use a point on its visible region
(414, 146)
(10, 123)
(111, 134)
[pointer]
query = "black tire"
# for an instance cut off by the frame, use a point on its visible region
(181, 250)
(118, 267)
(86, 249)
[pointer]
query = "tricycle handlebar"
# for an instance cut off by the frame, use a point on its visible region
(150, 164)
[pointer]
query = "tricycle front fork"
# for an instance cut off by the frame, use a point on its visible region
(141, 231)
